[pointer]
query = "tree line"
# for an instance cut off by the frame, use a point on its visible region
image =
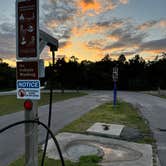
(7, 76)
(134, 74)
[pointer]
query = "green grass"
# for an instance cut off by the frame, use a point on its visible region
(10, 104)
(91, 160)
(123, 113)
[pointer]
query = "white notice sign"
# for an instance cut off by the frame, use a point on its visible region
(28, 89)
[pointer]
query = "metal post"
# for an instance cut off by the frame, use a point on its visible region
(31, 136)
(114, 93)
(52, 49)
(115, 78)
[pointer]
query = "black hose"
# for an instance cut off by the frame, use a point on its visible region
(50, 110)
(48, 130)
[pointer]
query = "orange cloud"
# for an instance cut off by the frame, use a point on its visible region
(79, 49)
(114, 38)
(162, 23)
(155, 52)
(89, 5)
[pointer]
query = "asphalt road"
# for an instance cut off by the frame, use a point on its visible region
(152, 108)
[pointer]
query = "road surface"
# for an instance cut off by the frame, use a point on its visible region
(153, 109)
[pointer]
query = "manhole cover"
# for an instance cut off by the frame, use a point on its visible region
(77, 149)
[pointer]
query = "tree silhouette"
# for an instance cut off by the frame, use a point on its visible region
(122, 59)
(134, 74)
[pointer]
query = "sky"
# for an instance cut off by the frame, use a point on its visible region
(90, 29)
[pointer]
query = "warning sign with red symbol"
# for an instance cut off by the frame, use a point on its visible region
(28, 89)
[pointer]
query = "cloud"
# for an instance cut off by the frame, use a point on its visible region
(87, 5)
(154, 45)
(147, 25)
(59, 19)
(162, 23)
(96, 44)
(99, 6)
(109, 4)
(62, 32)
(105, 20)
(7, 41)
(152, 23)
(64, 17)
(88, 1)
(7, 46)
(126, 37)
(59, 10)
(7, 28)
(124, 1)
(65, 44)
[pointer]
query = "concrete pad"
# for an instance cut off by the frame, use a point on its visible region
(114, 152)
(112, 130)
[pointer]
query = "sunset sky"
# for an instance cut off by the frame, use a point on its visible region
(89, 29)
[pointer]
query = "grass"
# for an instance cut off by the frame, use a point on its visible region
(123, 113)
(10, 104)
(91, 160)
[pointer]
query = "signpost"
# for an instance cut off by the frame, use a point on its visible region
(30, 68)
(115, 78)
(28, 84)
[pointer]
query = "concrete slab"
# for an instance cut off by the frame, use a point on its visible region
(114, 152)
(112, 130)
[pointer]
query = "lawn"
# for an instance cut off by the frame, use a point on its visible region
(124, 113)
(10, 104)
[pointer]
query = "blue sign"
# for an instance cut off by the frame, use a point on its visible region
(28, 89)
(28, 84)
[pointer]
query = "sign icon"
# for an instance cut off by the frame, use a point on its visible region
(21, 93)
(21, 17)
